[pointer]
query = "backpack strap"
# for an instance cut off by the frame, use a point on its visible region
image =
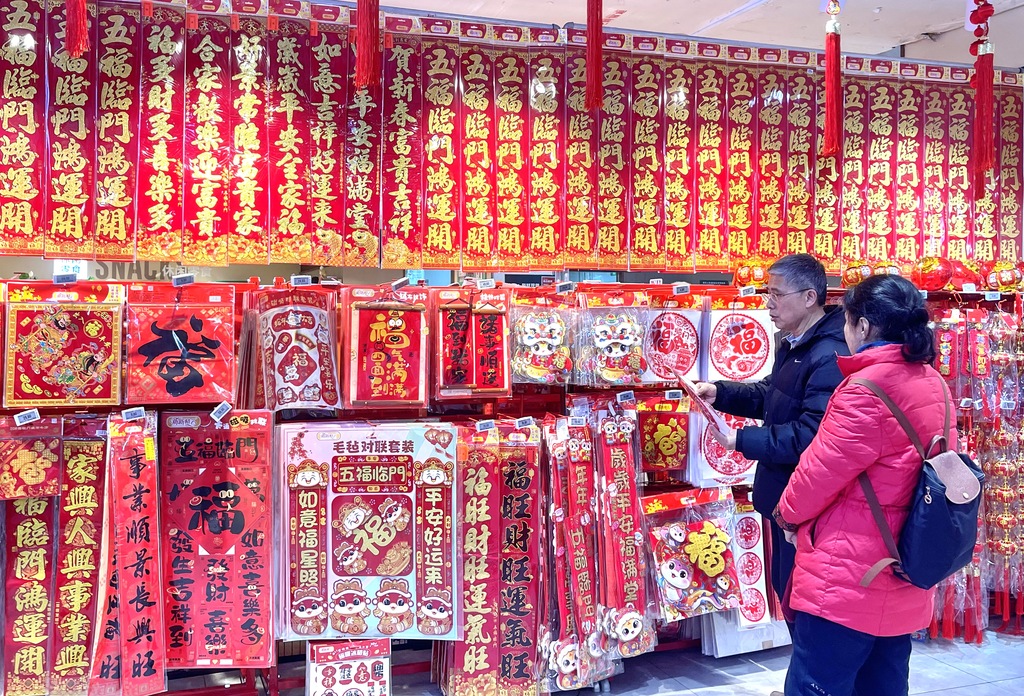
(901, 417)
(883, 527)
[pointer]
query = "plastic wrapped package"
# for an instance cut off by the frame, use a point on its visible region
(610, 339)
(711, 464)
(470, 329)
(740, 344)
(673, 340)
(541, 335)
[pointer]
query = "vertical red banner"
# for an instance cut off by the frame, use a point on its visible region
(828, 192)
(936, 192)
(442, 223)
(547, 150)
(71, 114)
(402, 166)
(855, 168)
(216, 517)
(959, 134)
(134, 489)
(249, 183)
(105, 673)
(290, 114)
(158, 197)
(909, 167)
(581, 147)
(801, 137)
(476, 92)
(28, 547)
(772, 129)
(476, 657)
(363, 142)
(511, 102)
(207, 140)
(647, 165)
(79, 559)
(880, 194)
(1010, 107)
(740, 166)
(23, 122)
(329, 76)
(711, 88)
(117, 133)
(680, 142)
(613, 154)
(519, 571)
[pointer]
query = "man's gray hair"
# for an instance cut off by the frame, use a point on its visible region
(802, 272)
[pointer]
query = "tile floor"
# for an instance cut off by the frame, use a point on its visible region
(937, 668)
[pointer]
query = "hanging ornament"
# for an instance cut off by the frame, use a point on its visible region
(76, 40)
(833, 135)
(931, 273)
(368, 58)
(982, 81)
(595, 45)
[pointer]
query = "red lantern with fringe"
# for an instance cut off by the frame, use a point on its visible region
(595, 46)
(833, 135)
(368, 56)
(76, 31)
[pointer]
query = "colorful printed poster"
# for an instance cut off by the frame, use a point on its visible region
(30, 457)
(297, 348)
(663, 423)
(672, 342)
(64, 346)
(134, 490)
(216, 517)
(355, 668)
(369, 527)
(180, 344)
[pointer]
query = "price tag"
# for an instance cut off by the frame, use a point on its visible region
(223, 409)
(623, 397)
(924, 294)
(967, 403)
(681, 289)
(562, 429)
(133, 414)
(748, 291)
(656, 281)
(457, 393)
(26, 417)
(65, 278)
(978, 404)
(1007, 405)
(183, 280)
(300, 280)
(484, 426)
(562, 288)
(486, 284)
(526, 422)
(101, 433)
(400, 283)
(993, 296)
(970, 287)
(577, 422)
(674, 395)
(150, 444)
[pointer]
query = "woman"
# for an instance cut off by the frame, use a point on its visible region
(850, 639)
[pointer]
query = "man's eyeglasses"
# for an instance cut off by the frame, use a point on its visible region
(774, 295)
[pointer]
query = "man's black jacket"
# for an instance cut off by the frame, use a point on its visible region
(791, 402)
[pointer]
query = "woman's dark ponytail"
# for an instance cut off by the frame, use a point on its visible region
(895, 309)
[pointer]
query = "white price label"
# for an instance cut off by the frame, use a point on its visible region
(400, 283)
(967, 403)
(26, 417)
(526, 422)
(133, 414)
(300, 280)
(486, 284)
(748, 291)
(562, 288)
(1007, 405)
(223, 409)
(65, 278)
(656, 281)
(681, 289)
(577, 422)
(183, 279)
(674, 395)
(484, 426)
(924, 294)
(562, 429)
(970, 287)
(623, 397)
(993, 296)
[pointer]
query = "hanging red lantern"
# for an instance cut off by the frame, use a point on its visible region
(931, 273)
(962, 275)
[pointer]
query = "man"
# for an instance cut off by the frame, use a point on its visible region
(792, 400)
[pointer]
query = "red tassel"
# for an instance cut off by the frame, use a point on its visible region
(984, 116)
(76, 31)
(368, 57)
(834, 97)
(595, 45)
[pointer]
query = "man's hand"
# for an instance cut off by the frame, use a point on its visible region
(726, 439)
(706, 391)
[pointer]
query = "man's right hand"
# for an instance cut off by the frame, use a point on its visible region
(706, 391)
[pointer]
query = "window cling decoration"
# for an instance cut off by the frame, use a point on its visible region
(180, 344)
(30, 458)
(542, 322)
(673, 339)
